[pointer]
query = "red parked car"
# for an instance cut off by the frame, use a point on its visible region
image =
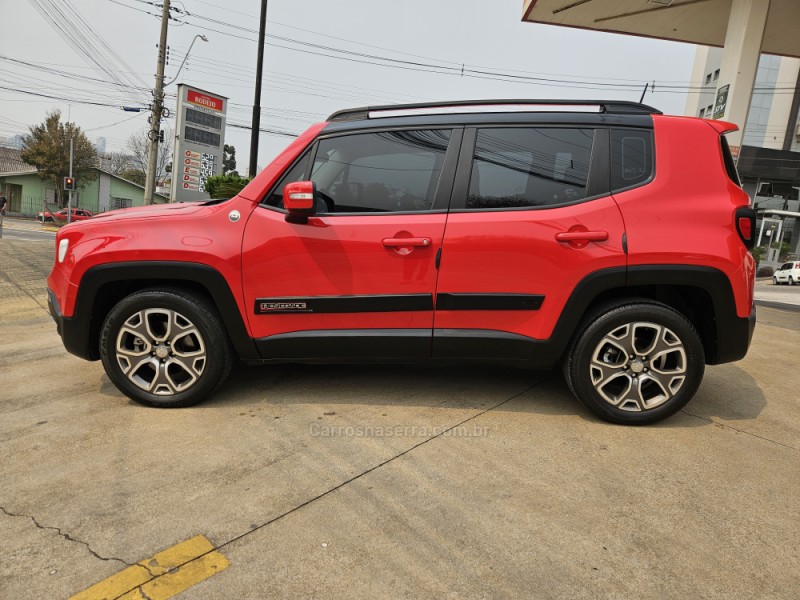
(604, 237)
(78, 214)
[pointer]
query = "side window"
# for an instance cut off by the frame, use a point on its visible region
(631, 157)
(296, 173)
(380, 172)
(515, 167)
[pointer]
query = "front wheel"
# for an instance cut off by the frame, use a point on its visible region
(635, 363)
(774, 281)
(165, 348)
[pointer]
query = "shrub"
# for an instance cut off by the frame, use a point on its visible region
(765, 271)
(225, 186)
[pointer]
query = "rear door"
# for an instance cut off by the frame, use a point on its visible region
(531, 216)
(357, 281)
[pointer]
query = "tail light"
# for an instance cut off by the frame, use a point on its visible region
(746, 225)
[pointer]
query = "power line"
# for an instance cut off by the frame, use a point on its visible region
(61, 98)
(86, 42)
(464, 70)
(115, 123)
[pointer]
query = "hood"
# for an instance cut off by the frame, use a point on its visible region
(150, 212)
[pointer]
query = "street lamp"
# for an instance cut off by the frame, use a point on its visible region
(202, 37)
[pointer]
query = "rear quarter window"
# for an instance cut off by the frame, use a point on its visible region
(631, 158)
(730, 165)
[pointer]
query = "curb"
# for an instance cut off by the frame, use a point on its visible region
(778, 305)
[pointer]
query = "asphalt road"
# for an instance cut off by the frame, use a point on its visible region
(30, 230)
(388, 482)
(28, 235)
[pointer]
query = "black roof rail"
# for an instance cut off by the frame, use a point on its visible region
(606, 106)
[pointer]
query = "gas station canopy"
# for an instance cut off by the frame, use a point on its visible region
(695, 21)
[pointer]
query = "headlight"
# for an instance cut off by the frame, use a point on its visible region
(63, 246)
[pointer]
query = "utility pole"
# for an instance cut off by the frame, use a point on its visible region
(256, 125)
(158, 108)
(69, 199)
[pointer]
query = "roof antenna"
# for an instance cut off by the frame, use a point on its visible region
(644, 91)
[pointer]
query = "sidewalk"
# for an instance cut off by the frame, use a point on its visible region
(786, 297)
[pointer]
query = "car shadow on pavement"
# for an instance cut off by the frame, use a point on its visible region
(727, 393)
(405, 385)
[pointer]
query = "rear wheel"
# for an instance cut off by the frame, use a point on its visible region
(635, 363)
(791, 281)
(165, 348)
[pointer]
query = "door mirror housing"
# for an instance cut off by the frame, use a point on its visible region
(300, 200)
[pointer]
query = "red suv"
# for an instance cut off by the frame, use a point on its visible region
(602, 236)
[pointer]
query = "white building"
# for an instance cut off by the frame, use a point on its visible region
(769, 158)
(771, 121)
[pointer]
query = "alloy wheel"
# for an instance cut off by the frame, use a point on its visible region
(160, 351)
(638, 366)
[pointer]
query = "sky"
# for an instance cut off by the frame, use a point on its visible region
(320, 57)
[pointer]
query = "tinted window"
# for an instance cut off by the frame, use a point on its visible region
(380, 172)
(529, 167)
(730, 165)
(631, 157)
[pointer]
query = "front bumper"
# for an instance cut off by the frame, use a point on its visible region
(55, 312)
(74, 332)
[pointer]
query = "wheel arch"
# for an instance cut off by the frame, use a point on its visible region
(702, 294)
(102, 286)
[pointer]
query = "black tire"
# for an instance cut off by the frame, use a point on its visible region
(175, 354)
(774, 281)
(638, 391)
(791, 281)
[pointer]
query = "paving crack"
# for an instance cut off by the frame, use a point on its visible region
(744, 431)
(70, 538)
(143, 594)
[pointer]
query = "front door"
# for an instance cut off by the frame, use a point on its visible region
(356, 281)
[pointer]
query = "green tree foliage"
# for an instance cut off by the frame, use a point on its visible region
(229, 160)
(134, 175)
(783, 250)
(47, 149)
(225, 186)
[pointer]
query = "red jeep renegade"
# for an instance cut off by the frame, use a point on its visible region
(603, 236)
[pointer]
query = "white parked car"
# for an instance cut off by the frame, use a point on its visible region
(788, 273)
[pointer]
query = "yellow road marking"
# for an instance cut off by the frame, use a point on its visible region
(161, 576)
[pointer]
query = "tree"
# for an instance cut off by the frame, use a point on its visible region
(229, 160)
(118, 162)
(47, 149)
(139, 147)
(133, 175)
(225, 186)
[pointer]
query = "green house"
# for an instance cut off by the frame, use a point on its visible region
(27, 193)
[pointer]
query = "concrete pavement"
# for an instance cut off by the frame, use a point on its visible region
(394, 481)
